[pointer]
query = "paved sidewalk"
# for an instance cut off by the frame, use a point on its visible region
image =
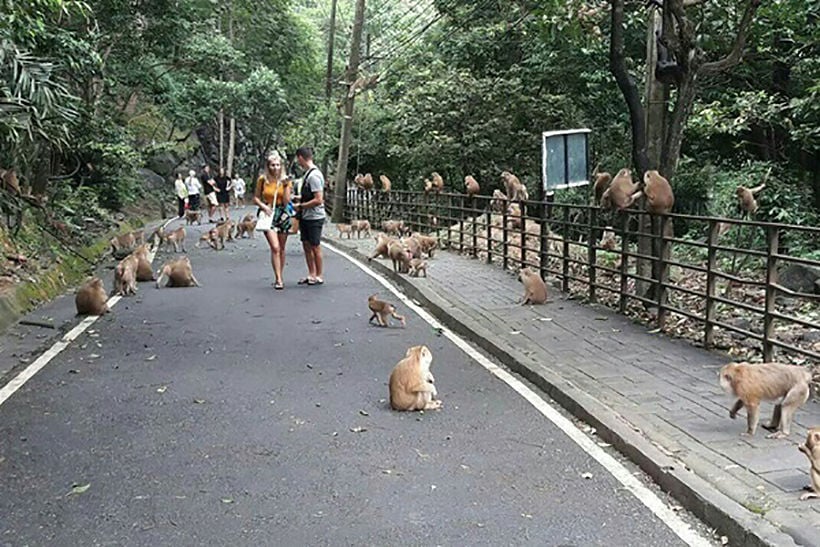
(656, 399)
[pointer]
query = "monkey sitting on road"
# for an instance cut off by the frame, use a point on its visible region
(382, 311)
(144, 271)
(178, 272)
(91, 298)
(535, 290)
(125, 276)
(412, 386)
(812, 451)
(766, 382)
(122, 243)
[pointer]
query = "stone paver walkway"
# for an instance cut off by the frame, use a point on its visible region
(665, 390)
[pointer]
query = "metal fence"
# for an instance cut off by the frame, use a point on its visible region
(717, 285)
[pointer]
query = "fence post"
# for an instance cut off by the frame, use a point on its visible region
(711, 285)
(449, 220)
(523, 231)
(565, 252)
(592, 258)
(773, 238)
(489, 218)
(663, 269)
(474, 212)
(461, 223)
(624, 262)
(505, 249)
(544, 242)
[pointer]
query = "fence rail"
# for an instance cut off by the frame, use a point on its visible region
(717, 283)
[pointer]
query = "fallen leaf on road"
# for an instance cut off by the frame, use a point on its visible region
(79, 489)
(601, 318)
(364, 413)
(151, 358)
(93, 356)
(586, 475)
(162, 389)
(545, 318)
(226, 500)
(358, 429)
(199, 401)
(515, 332)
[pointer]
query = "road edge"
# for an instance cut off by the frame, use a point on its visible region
(694, 493)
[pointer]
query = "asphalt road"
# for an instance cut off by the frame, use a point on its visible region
(236, 414)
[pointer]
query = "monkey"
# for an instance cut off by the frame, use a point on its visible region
(225, 230)
(515, 190)
(438, 182)
(608, 239)
(619, 195)
(383, 241)
(246, 227)
(125, 276)
(367, 182)
(178, 272)
(360, 226)
(812, 451)
(345, 229)
(393, 227)
(417, 265)
(768, 382)
(499, 201)
(602, 181)
(400, 255)
(382, 311)
(208, 237)
(144, 271)
(139, 237)
(91, 298)
(428, 244)
(193, 216)
(746, 198)
(386, 185)
(122, 243)
(412, 245)
(428, 186)
(659, 196)
(535, 290)
(412, 386)
(471, 186)
(358, 180)
(177, 238)
(8, 178)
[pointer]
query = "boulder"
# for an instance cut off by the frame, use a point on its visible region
(163, 163)
(800, 278)
(152, 180)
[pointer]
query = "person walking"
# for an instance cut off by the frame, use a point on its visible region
(181, 192)
(272, 194)
(238, 185)
(194, 188)
(311, 213)
(209, 192)
(223, 197)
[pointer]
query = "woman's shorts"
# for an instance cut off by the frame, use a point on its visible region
(223, 197)
(311, 231)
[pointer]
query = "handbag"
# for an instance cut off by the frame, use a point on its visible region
(280, 219)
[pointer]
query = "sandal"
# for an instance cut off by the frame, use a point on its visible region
(311, 282)
(306, 281)
(319, 281)
(278, 286)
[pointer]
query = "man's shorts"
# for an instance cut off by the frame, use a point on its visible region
(212, 199)
(311, 231)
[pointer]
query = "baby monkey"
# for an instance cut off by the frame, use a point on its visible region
(412, 386)
(418, 265)
(91, 298)
(345, 229)
(179, 274)
(382, 311)
(812, 451)
(766, 382)
(535, 290)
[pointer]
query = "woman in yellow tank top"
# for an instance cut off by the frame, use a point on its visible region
(272, 194)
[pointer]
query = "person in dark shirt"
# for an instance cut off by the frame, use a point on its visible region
(223, 197)
(209, 185)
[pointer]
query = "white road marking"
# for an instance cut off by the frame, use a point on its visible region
(615, 468)
(19, 381)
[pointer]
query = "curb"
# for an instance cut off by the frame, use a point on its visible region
(694, 493)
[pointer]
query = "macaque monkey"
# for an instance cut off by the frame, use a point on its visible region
(360, 226)
(515, 190)
(386, 185)
(345, 229)
(746, 198)
(812, 451)
(383, 241)
(193, 216)
(178, 272)
(471, 186)
(499, 202)
(8, 178)
(125, 276)
(177, 238)
(367, 182)
(144, 271)
(514, 216)
(766, 382)
(393, 227)
(139, 237)
(225, 230)
(208, 237)
(122, 243)
(428, 186)
(619, 195)
(602, 181)
(400, 255)
(382, 311)
(246, 227)
(412, 245)
(412, 386)
(608, 239)
(659, 196)
(535, 290)
(417, 265)
(438, 182)
(428, 244)
(91, 298)
(358, 180)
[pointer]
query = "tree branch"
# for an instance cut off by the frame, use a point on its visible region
(736, 54)
(628, 87)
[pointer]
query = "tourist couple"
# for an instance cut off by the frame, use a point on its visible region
(273, 195)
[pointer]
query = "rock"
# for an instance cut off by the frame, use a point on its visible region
(810, 336)
(152, 179)
(163, 163)
(799, 278)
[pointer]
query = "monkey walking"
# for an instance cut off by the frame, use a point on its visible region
(412, 386)
(382, 311)
(766, 382)
(418, 265)
(345, 229)
(91, 298)
(812, 451)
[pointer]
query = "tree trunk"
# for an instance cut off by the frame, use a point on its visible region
(221, 122)
(231, 143)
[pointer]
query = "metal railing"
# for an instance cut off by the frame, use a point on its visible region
(728, 292)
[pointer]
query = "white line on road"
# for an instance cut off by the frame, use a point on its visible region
(615, 468)
(19, 381)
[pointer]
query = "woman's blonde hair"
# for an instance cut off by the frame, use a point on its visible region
(275, 156)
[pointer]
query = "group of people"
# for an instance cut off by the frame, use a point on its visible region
(275, 196)
(216, 189)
